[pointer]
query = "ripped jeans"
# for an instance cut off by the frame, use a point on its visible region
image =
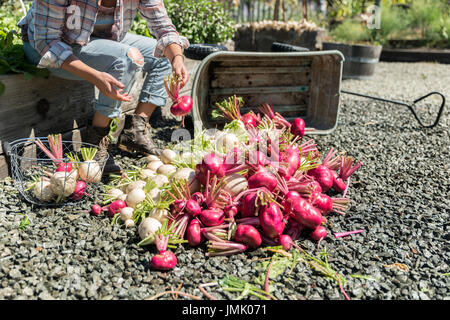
(114, 58)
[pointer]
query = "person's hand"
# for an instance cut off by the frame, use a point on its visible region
(111, 87)
(179, 69)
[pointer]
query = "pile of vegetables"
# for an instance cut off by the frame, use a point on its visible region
(257, 182)
(67, 177)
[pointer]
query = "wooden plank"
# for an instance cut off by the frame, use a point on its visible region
(238, 61)
(259, 80)
(269, 70)
(277, 99)
(258, 90)
(41, 106)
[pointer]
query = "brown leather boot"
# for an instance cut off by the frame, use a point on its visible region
(135, 137)
(99, 137)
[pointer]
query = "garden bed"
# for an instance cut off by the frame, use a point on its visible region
(398, 200)
(415, 55)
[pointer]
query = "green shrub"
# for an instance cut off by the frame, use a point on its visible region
(431, 20)
(200, 21)
(12, 57)
(351, 31)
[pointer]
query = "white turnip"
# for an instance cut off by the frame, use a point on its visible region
(159, 214)
(160, 180)
(167, 170)
(147, 229)
(154, 165)
(43, 191)
(129, 223)
(235, 184)
(63, 183)
(135, 197)
(145, 174)
(151, 158)
(168, 156)
(126, 213)
(187, 174)
(138, 184)
(89, 170)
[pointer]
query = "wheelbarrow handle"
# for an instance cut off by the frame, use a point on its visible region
(410, 107)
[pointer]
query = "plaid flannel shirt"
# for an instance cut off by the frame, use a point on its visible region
(52, 26)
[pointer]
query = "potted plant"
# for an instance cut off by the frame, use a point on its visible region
(361, 51)
(360, 44)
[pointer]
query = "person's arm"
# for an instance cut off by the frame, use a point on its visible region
(49, 22)
(105, 82)
(170, 44)
(174, 53)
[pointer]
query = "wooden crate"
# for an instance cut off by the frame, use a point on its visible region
(299, 84)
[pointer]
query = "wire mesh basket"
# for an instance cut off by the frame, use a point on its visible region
(41, 181)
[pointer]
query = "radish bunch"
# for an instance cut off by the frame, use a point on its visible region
(182, 105)
(270, 186)
(69, 177)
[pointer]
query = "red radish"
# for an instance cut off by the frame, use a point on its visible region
(322, 202)
(248, 235)
(80, 189)
(306, 214)
(178, 205)
(277, 119)
(323, 176)
(64, 167)
(291, 156)
(298, 127)
(263, 178)
(271, 220)
(193, 233)
(164, 260)
(319, 233)
(97, 210)
(181, 105)
(289, 199)
(286, 241)
(347, 168)
(250, 119)
(212, 217)
(326, 204)
(221, 248)
(199, 197)
(248, 206)
(212, 163)
(230, 211)
(192, 207)
(116, 206)
(338, 184)
(294, 229)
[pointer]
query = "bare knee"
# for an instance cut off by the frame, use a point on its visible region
(136, 56)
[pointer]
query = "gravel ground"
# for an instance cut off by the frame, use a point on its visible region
(399, 198)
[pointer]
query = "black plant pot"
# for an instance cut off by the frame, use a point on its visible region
(360, 60)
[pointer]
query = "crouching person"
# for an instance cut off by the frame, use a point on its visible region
(89, 40)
